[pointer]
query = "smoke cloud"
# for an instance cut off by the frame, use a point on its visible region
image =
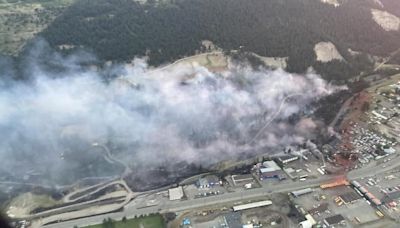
(147, 117)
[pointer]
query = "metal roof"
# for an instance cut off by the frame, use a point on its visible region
(334, 219)
(252, 205)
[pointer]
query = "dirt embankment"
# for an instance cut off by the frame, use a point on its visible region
(387, 21)
(326, 52)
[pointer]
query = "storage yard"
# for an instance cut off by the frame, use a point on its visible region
(340, 200)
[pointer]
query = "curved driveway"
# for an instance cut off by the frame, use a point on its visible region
(265, 191)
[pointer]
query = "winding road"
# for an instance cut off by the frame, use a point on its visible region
(111, 159)
(273, 116)
(132, 210)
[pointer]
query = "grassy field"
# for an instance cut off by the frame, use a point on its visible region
(20, 20)
(152, 221)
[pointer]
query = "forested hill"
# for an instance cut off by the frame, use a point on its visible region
(165, 31)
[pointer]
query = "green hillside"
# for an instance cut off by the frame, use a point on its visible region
(122, 29)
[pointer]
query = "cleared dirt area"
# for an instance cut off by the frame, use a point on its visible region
(22, 205)
(274, 62)
(387, 21)
(357, 107)
(98, 199)
(209, 45)
(331, 2)
(214, 60)
(326, 52)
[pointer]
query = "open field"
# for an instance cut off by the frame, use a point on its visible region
(274, 62)
(387, 21)
(25, 203)
(212, 60)
(326, 52)
(331, 2)
(152, 221)
(21, 20)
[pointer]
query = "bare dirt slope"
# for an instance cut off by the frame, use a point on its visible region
(331, 2)
(387, 21)
(326, 52)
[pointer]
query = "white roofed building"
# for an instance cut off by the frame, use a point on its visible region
(270, 169)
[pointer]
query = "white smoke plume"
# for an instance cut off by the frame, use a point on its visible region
(150, 116)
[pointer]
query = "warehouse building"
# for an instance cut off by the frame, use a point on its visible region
(391, 196)
(308, 223)
(334, 220)
(252, 205)
(208, 181)
(349, 197)
(302, 192)
(320, 209)
(242, 180)
(270, 169)
(284, 160)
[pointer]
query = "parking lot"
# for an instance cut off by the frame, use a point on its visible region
(324, 203)
(193, 191)
(380, 186)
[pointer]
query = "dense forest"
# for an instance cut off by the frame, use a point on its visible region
(165, 31)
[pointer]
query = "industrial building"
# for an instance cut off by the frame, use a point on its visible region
(337, 183)
(208, 181)
(302, 192)
(349, 197)
(270, 169)
(320, 209)
(270, 166)
(334, 220)
(366, 193)
(391, 196)
(308, 223)
(242, 180)
(252, 205)
(290, 172)
(283, 160)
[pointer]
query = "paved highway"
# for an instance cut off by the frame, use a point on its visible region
(131, 210)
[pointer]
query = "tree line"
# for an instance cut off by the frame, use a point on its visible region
(165, 31)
